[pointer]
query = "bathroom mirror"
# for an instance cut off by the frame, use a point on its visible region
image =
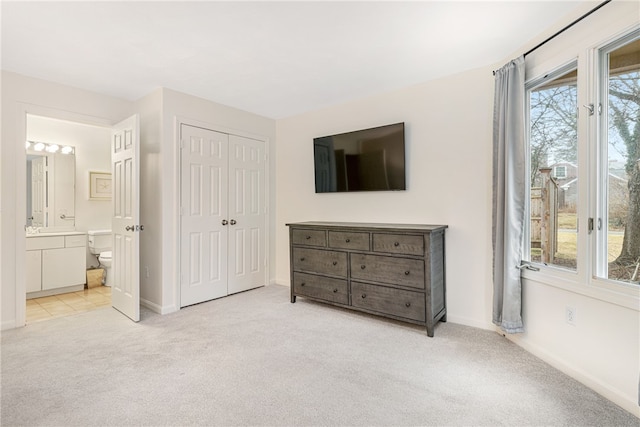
(50, 189)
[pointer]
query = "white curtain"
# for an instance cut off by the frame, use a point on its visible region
(508, 195)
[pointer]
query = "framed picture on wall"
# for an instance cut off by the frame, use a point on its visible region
(99, 186)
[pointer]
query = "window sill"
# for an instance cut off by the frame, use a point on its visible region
(624, 295)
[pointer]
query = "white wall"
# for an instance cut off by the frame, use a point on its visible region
(92, 153)
(22, 95)
(448, 154)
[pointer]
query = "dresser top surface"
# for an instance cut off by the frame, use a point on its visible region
(368, 226)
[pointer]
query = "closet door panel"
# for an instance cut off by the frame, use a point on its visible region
(247, 214)
(204, 183)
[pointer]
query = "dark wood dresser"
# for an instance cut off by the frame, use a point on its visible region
(392, 270)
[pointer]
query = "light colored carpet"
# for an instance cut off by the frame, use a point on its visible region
(256, 359)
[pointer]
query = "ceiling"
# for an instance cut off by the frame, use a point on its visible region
(276, 59)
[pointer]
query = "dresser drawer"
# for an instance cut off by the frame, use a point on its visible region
(319, 261)
(309, 237)
(398, 244)
(328, 289)
(349, 240)
(397, 271)
(394, 302)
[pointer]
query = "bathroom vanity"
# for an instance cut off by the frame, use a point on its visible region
(56, 263)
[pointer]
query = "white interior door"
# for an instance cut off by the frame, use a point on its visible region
(247, 214)
(38, 191)
(125, 225)
(204, 222)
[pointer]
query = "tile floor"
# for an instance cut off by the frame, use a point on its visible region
(45, 308)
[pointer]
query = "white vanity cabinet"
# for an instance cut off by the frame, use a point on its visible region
(56, 263)
(34, 271)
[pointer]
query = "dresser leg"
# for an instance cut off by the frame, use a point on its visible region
(293, 299)
(430, 331)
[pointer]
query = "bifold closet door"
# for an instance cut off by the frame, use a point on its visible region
(204, 200)
(223, 218)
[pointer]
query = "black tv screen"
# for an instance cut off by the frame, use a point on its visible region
(363, 160)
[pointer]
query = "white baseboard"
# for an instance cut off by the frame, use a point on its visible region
(9, 324)
(626, 402)
(470, 322)
(277, 282)
(156, 308)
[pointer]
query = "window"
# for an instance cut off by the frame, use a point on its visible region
(584, 127)
(553, 138)
(560, 172)
(618, 219)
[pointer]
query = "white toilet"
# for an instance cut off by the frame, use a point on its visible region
(100, 244)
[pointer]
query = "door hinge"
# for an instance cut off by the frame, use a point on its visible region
(590, 225)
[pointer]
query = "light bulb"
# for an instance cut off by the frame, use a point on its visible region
(53, 148)
(39, 146)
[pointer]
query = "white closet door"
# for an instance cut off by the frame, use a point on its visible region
(203, 252)
(247, 214)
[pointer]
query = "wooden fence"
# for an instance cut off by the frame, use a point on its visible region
(544, 216)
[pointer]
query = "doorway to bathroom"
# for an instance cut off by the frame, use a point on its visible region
(77, 198)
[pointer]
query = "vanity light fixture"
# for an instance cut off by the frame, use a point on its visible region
(50, 148)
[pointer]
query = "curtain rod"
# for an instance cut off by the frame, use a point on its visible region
(564, 29)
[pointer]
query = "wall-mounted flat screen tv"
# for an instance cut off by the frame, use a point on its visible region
(363, 160)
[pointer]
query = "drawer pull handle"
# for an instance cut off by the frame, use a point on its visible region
(335, 262)
(308, 237)
(406, 273)
(335, 290)
(396, 244)
(302, 259)
(302, 284)
(347, 240)
(364, 296)
(408, 305)
(363, 266)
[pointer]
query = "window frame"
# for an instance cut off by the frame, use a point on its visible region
(599, 146)
(530, 85)
(584, 280)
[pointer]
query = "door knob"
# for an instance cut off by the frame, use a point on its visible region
(129, 228)
(225, 222)
(233, 222)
